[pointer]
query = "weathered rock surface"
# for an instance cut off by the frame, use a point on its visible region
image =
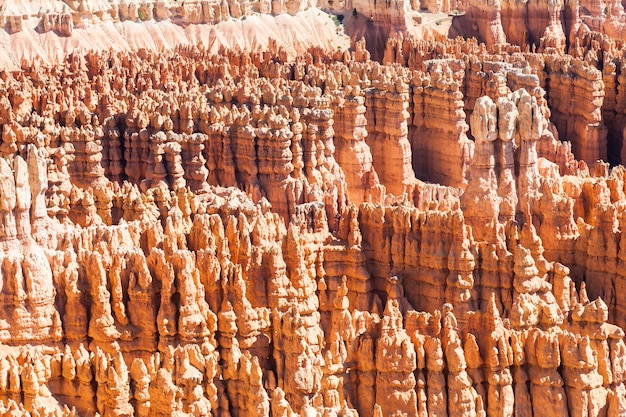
(192, 233)
(47, 31)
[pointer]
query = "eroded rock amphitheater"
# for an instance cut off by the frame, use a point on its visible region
(313, 208)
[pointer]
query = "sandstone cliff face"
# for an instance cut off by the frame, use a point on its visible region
(439, 141)
(580, 120)
(545, 24)
(250, 234)
(180, 243)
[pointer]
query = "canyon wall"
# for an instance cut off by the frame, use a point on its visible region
(579, 93)
(265, 223)
(195, 234)
(545, 24)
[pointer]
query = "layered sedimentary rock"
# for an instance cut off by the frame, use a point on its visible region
(50, 30)
(544, 24)
(251, 234)
(439, 127)
(580, 120)
(486, 21)
(387, 102)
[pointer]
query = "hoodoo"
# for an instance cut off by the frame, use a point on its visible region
(312, 208)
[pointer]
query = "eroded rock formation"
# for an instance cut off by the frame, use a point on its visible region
(193, 233)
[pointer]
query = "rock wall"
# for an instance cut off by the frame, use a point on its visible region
(580, 117)
(194, 234)
(547, 25)
(587, 125)
(190, 233)
(438, 132)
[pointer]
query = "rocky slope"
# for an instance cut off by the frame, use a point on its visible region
(48, 31)
(258, 232)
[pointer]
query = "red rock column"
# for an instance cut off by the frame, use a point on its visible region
(576, 95)
(395, 361)
(388, 138)
(480, 202)
(353, 153)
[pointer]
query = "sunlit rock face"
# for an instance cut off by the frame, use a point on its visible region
(201, 214)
